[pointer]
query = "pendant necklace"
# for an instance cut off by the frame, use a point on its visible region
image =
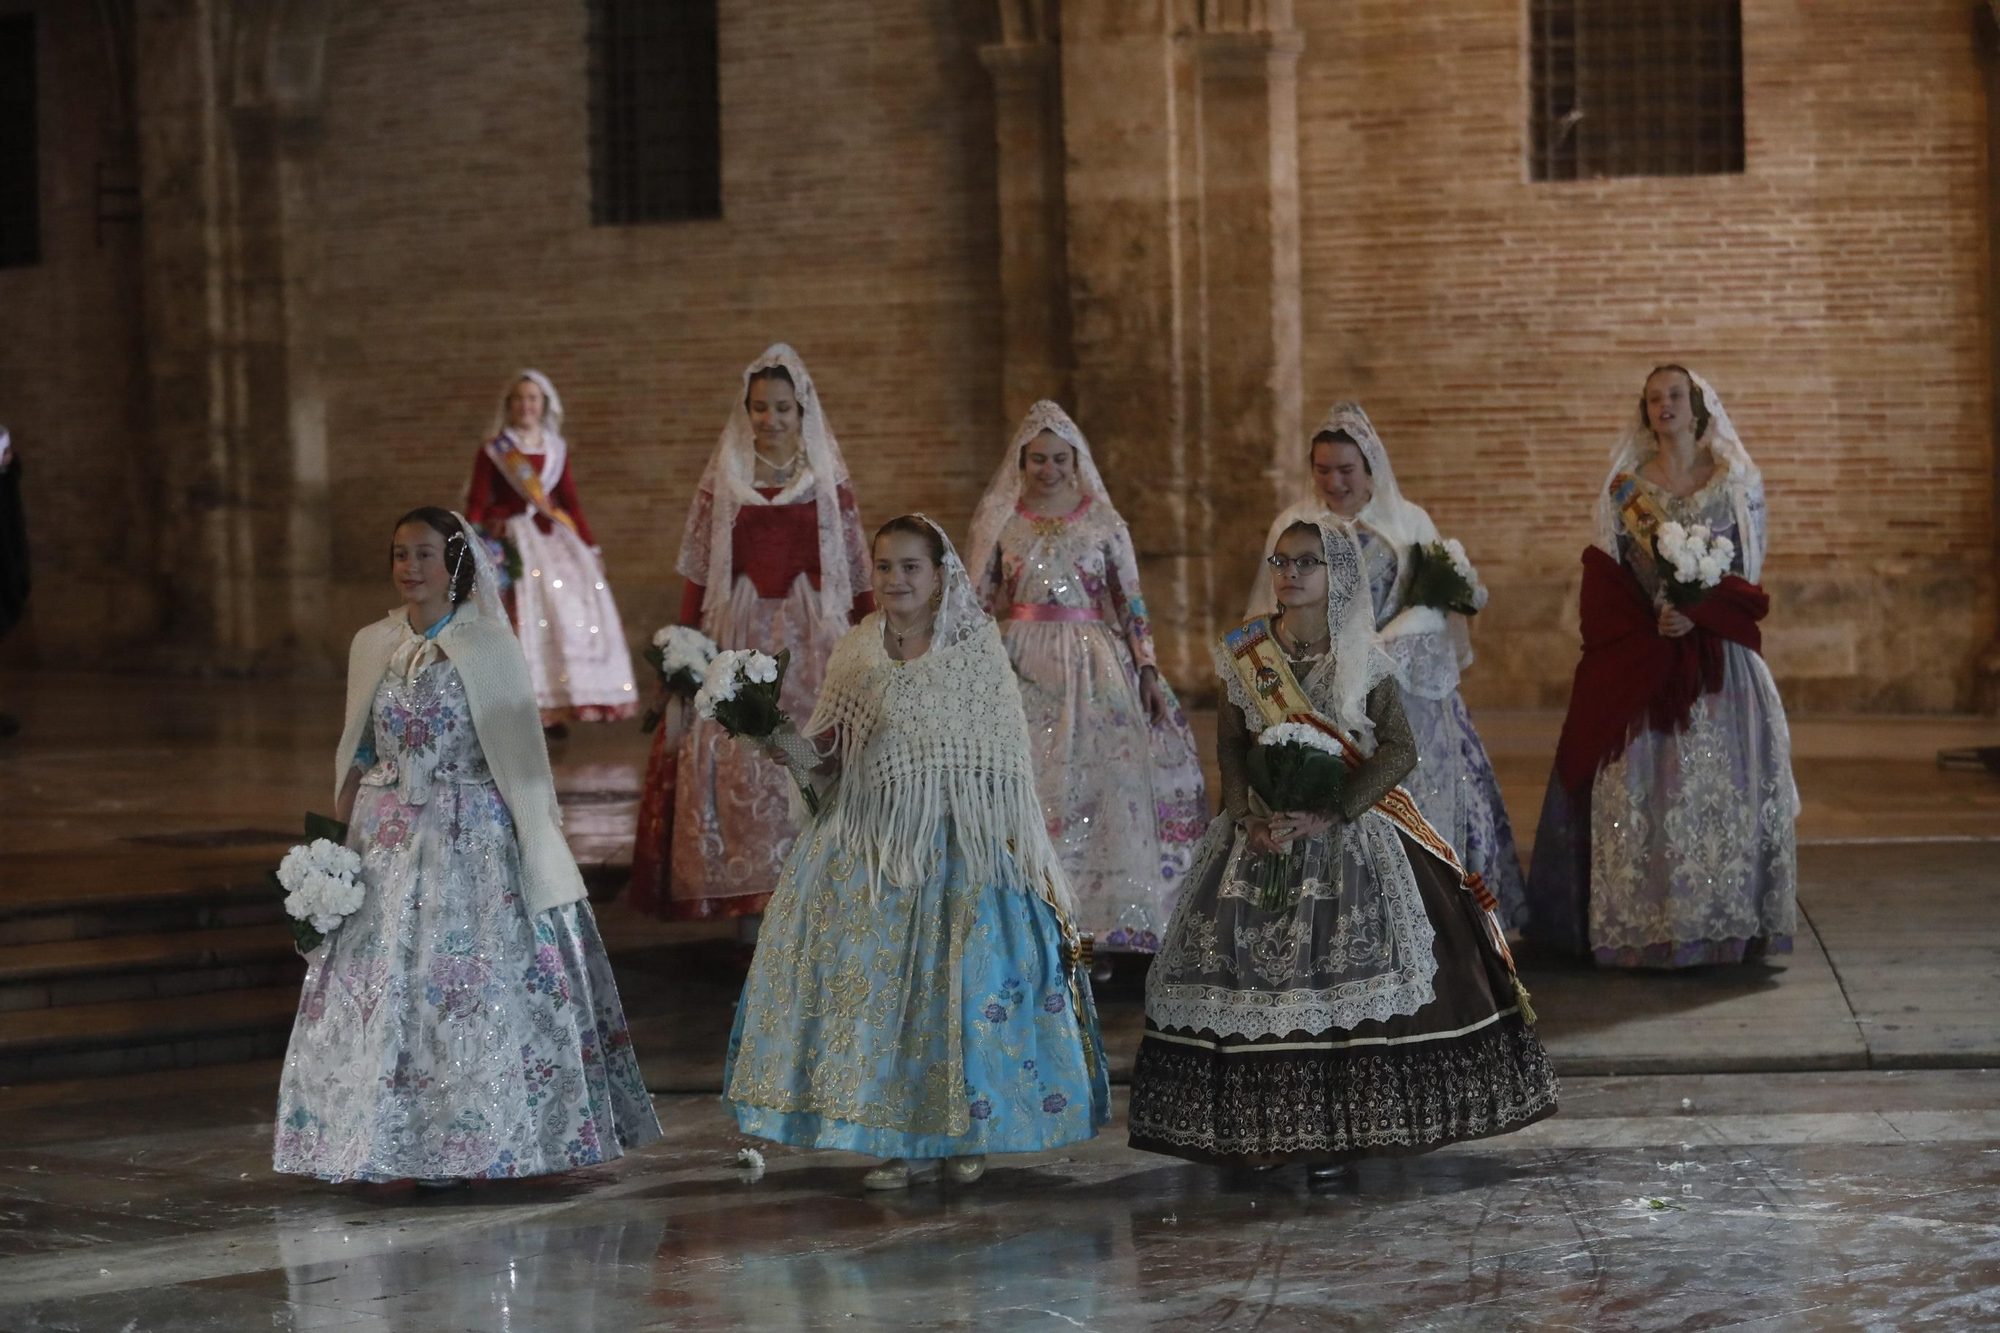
(782, 470)
(899, 634)
(1305, 645)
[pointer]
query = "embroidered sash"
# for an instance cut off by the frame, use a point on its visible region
(1267, 676)
(1643, 518)
(526, 478)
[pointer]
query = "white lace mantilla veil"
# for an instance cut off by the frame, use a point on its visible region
(706, 554)
(940, 736)
(1339, 684)
(1003, 493)
(555, 449)
(1745, 481)
(1401, 522)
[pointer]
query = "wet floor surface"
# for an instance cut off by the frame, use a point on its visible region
(1710, 1187)
(1790, 1201)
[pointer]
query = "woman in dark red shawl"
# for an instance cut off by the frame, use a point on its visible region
(1666, 836)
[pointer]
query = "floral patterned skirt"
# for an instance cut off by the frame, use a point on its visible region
(1124, 800)
(732, 820)
(936, 1021)
(1683, 851)
(1463, 1066)
(443, 1032)
(1455, 787)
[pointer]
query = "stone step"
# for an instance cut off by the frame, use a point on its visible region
(130, 1036)
(150, 966)
(138, 890)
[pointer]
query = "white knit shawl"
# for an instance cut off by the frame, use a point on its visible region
(941, 737)
(509, 724)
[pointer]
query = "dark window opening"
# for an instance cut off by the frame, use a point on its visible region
(20, 166)
(655, 113)
(1635, 88)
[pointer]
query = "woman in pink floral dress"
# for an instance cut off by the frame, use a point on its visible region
(1120, 779)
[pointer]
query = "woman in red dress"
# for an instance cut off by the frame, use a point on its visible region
(774, 557)
(523, 501)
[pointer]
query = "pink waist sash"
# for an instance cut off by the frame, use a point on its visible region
(1043, 611)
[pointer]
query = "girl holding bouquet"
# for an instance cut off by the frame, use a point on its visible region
(1422, 590)
(463, 1022)
(523, 499)
(915, 992)
(773, 556)
(1333, 984)
(1666, 835)
(1120, 779)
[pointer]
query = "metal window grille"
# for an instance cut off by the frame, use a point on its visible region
(1635, 88)
(655, 112)
(20, 167)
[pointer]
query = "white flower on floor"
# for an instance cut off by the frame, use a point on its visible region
(322, 883)
(751, 1163)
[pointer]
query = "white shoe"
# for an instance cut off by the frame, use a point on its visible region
(965, 1170)
(897, 1174)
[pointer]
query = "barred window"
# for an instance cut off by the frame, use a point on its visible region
(1635, 88)
(655, 112)
(20, 167)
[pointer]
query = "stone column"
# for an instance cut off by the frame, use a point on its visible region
(1132, 294)
(1253, 453)
(1034, 281)
(1986, 670)
(226, 152)
(1180, 133)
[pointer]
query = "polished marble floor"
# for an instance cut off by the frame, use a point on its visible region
(1808, 1145)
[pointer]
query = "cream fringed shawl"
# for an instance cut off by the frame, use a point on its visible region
(941, 737)
(509, 723)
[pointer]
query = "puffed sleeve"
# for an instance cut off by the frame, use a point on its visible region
(479, 496)
(1121, 571)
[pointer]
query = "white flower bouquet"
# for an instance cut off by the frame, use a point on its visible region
(681, 654)
(1691, 561)
(321, 881)
(1294, 766)
(740, 695)
(1442, 576)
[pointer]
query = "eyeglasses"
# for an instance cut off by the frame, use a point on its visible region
(1305, 564)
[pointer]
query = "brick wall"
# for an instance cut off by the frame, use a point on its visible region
(1499, 330)
(859, 201)
(71, 388)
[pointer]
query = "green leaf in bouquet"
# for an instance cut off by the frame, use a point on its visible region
(1435, 582)
(304, 938)
(1296, 777)
(320, 826)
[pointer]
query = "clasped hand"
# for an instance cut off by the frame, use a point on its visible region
(1673, 624)
(1270, 833)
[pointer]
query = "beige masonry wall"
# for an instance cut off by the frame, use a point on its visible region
(362, 218)
(1835, 292)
